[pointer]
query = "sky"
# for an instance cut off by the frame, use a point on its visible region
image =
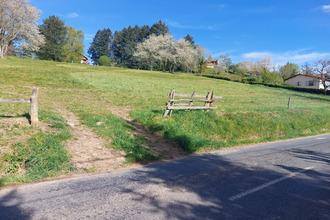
(295, 31)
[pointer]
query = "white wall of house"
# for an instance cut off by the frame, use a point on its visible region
(305, 82)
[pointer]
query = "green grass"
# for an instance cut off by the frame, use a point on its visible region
(42, 156)
(115, 130)
(249, 113)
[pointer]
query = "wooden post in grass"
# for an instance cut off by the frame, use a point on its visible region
(208, 98)
(289, 103)
(192, 97)
(34, 106)
(33, 102)
(170, 103)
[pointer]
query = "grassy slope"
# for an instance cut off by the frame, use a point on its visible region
(249, 113)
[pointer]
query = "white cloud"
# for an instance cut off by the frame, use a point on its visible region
(325, 8)
(297, 56)
(73, 15)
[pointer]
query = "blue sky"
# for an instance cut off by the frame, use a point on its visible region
(285, 30)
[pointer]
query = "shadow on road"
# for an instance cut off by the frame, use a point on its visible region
(312, 155)
(10, 207)
(207, 186)
(212, 180)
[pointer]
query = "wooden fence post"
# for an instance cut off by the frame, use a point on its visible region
(34, 106)
(289, 103)
(208, 97)
(169, 103)
(192, 97)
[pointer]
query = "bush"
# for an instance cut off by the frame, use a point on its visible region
(271, 78)
(104, 61)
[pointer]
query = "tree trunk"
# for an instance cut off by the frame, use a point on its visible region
(3, 51)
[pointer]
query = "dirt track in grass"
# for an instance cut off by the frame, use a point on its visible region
(156, 143)
(89, 153)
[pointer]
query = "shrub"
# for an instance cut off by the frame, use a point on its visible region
(104, 61)
(271, 78)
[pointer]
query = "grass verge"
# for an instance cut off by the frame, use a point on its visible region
(43, 155)
(121, 136)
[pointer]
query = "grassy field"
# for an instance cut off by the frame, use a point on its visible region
(249, 113)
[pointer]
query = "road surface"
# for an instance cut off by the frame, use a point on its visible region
(280, 180)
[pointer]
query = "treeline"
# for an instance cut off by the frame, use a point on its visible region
(120, 46)
(145, 47)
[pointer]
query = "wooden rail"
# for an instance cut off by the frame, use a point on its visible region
(34, 105)
(188, 103)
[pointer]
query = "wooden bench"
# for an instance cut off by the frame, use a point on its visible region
(188, 102)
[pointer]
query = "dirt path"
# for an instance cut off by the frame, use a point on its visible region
(87, 149)
(156, 143)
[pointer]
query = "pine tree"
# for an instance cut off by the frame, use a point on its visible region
(55, 35)
(159, 28)
(190, 39)
(101, 45)
(117, 47)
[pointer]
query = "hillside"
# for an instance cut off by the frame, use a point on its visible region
(114, 115)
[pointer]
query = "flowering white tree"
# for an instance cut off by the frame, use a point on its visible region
(167, 54)
(257, 68)
(147, 52)
(323, 68)
(18, 21)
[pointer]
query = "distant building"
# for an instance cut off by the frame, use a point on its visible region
(307, 81)
(84, 59)
(211, 63)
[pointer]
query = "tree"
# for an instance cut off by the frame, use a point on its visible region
(125, 42)
(73, 48)
(101, 45)
(307, 69)
(200, 57)
(323, 68)
(256, 69)
(186, 55)
(165, 53)
(190, 39)
(147, 52)
(288, 70)
(271, 78)
(55, 32)
(117, 47)
(18, 22)
(159, 28)
(224, 62)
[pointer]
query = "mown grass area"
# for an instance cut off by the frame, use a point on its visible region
(249, 113)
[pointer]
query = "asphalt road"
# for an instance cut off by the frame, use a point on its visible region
(280, 180)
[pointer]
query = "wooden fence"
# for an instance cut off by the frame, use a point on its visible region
(34, 105)
(189, 101)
